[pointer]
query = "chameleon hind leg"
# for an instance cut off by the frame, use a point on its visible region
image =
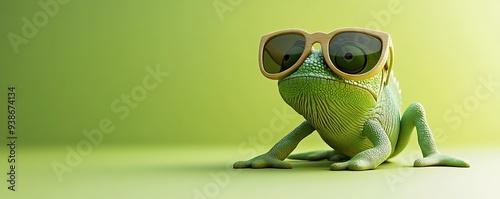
(414, 116)
(331, 155)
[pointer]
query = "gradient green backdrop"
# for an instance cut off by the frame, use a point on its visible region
(91, 52)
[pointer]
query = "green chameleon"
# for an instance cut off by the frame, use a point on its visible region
(359, 119)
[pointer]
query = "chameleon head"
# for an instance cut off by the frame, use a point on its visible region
(314, 83)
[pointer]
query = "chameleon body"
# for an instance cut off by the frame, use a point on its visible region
(359, 120)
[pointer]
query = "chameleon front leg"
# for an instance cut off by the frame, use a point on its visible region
(274, 157)
(414, 116)
(370, 158)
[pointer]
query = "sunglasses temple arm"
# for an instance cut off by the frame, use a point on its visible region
(391, 61)
(382, 83)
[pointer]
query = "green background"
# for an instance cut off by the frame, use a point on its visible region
(214, 100)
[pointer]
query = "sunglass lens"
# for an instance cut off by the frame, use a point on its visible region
(282, 52)
(354, 52)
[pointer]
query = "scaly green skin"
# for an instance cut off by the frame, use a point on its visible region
(363, 128)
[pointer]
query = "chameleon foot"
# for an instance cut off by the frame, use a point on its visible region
(263, 161)
(355, 165)
(440, 160)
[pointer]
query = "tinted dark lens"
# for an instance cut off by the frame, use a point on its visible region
(355, 53)
(282, 52)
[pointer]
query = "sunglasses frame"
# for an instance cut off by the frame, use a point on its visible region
(324, 39)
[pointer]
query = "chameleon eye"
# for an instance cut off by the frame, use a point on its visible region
(282, 52)
(292, 55)
(354, 52)
(349, 59)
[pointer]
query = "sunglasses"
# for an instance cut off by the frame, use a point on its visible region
(351, 53)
